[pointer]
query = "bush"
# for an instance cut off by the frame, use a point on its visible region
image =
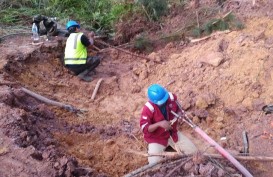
(142, 43)
(221, 24)
(154, 8)
(97, 15)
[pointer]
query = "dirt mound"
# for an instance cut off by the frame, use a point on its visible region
(222, 82)
(30, 124)
(124, 31)
(95, 138)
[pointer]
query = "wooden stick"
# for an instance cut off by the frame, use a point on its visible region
(218, 156)
(139, 142)
(168, 154)
(48, 101)
(227, 14)
(213, 34)
(248, 158)
(179, 166)
(139, 170)
(150, 19)
(197, 19)
(169, 83)
(96, 89)
(95, 47)
(125, 51)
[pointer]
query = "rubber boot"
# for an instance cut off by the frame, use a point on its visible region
(83, 76)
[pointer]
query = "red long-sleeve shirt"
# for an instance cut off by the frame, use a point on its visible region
(151, 114)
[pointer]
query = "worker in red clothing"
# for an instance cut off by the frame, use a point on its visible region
(159, 126)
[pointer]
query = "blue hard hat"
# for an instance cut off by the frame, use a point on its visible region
(157, 94)
(72, 23)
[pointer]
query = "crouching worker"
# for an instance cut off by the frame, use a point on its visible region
(158, 129)
(76, 58)
(46, 26)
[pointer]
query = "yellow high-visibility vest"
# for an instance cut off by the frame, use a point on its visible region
(75, 51)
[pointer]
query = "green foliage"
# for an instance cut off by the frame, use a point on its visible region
(196, 32)
(14, 16)
(142, 43)
(221, 24)
(97, 15)
(154, 8)
(238, 24)
(215, 24)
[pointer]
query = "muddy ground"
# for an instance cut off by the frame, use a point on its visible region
(223, 82)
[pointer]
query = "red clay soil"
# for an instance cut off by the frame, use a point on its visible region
(223, 82)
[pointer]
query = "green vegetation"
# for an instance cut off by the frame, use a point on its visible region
(142, 43)
(99, 15)
(93, 14)
(125, 17)
(227, 22)
(154, 9)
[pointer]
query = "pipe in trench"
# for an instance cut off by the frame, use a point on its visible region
(222, 151)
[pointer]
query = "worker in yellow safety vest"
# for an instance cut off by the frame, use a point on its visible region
(76, 58)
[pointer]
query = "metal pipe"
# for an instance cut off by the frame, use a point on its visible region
(222, 151)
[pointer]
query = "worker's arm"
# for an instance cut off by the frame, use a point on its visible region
(88, 41)
(164, 124)
(91, 36)
(147, 124)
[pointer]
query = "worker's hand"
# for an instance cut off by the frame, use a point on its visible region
(165, 124)
(91, 34)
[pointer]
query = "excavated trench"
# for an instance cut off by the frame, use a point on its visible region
(93, 142)
(224, 100)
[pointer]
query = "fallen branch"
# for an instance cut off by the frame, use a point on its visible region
(169, 83)
(178, 167)
(96, 89)
(197, 19)
(95, 47)
(166, 154)
(139, 170)
(139, 142)
(213, 34)
(50, 102)
(218, 156)
(125, 51)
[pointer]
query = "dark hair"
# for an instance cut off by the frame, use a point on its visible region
(72, 29)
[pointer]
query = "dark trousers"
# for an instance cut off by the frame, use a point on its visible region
(91, 64)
